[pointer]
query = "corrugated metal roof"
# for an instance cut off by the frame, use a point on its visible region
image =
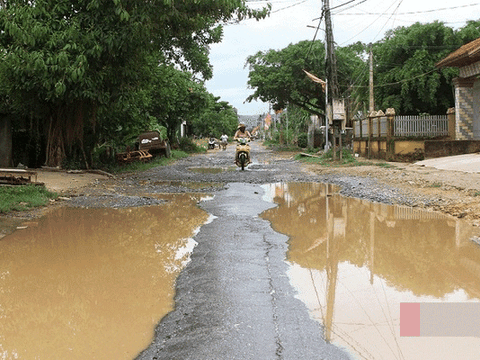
(465, 55)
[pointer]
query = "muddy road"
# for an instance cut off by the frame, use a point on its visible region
(234, 300)
(283, 266)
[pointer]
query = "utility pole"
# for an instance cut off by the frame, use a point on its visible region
(330, 69)
(372, 100)
(330, 58)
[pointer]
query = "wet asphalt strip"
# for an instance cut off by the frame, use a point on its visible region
(234, 299)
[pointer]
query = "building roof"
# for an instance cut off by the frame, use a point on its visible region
(465, 55)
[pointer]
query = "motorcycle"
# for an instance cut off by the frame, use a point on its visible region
(224, 142)
(242, 153)
(211, 143)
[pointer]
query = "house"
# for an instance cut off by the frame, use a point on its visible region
(467, 89)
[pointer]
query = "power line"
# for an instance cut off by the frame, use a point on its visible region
(399, 3)
(288, 7)
(368, 26)
(411, 12)
(315, 36)
(271, 12)
(350, 7)
(341, 5)
(398, 82)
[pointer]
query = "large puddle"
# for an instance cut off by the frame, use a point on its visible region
(353, 262)
(92, 284)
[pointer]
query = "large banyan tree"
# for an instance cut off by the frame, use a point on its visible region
(67, 62)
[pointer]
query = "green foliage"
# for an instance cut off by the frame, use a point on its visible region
(326, 159)
(405, 67)
(19, 198)
(278, 75)
(187, 145)
(216, 118)
(278, 78)
(405, 75)
(84, 67)
(302, 140)
(385, 165)
(175, 97)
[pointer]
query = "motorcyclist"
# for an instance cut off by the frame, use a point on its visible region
(224, 141)
(242, 136)
(242, 133)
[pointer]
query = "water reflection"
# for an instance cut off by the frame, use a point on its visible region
(353, 262)
(92, 284)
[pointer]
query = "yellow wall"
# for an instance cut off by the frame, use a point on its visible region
(408, 147)
(380, 147)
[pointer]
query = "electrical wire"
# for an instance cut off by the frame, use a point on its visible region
(411, 12)
(288, 7)
(398, 82)
(393, 14)
(316, 33)
(271, 12)
(341, 5)
(368, 26)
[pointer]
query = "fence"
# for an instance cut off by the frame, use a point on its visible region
(388, 136)
(421, 126)
(404, 126)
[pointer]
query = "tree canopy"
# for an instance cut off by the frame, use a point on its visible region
(218, 118)
(71, 63)
(405, 76)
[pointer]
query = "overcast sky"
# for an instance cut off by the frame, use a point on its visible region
(361, 20)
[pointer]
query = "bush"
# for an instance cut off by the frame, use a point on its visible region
(186, 144)
(302, 141)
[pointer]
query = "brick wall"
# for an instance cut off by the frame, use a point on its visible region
(464, 106)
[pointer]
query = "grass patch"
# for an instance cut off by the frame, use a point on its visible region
(326, 159)
(385, 165)
(435, 185)
(348, 159)
(23, 197)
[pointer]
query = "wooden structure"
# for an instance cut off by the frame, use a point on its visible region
(128, 157)
(153, 143)
(12, 176)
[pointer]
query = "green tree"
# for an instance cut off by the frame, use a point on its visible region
(67, 62)
(469, 32)
(176, 97)
(405, 74)
(217, 118)
(278, 75)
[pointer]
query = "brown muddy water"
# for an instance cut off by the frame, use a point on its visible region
(353, 262)
(92, 283)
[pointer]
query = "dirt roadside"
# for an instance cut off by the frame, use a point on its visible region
(451, 192)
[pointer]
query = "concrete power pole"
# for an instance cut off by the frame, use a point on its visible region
(372, 99)
(330, 69)
(330, 58)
